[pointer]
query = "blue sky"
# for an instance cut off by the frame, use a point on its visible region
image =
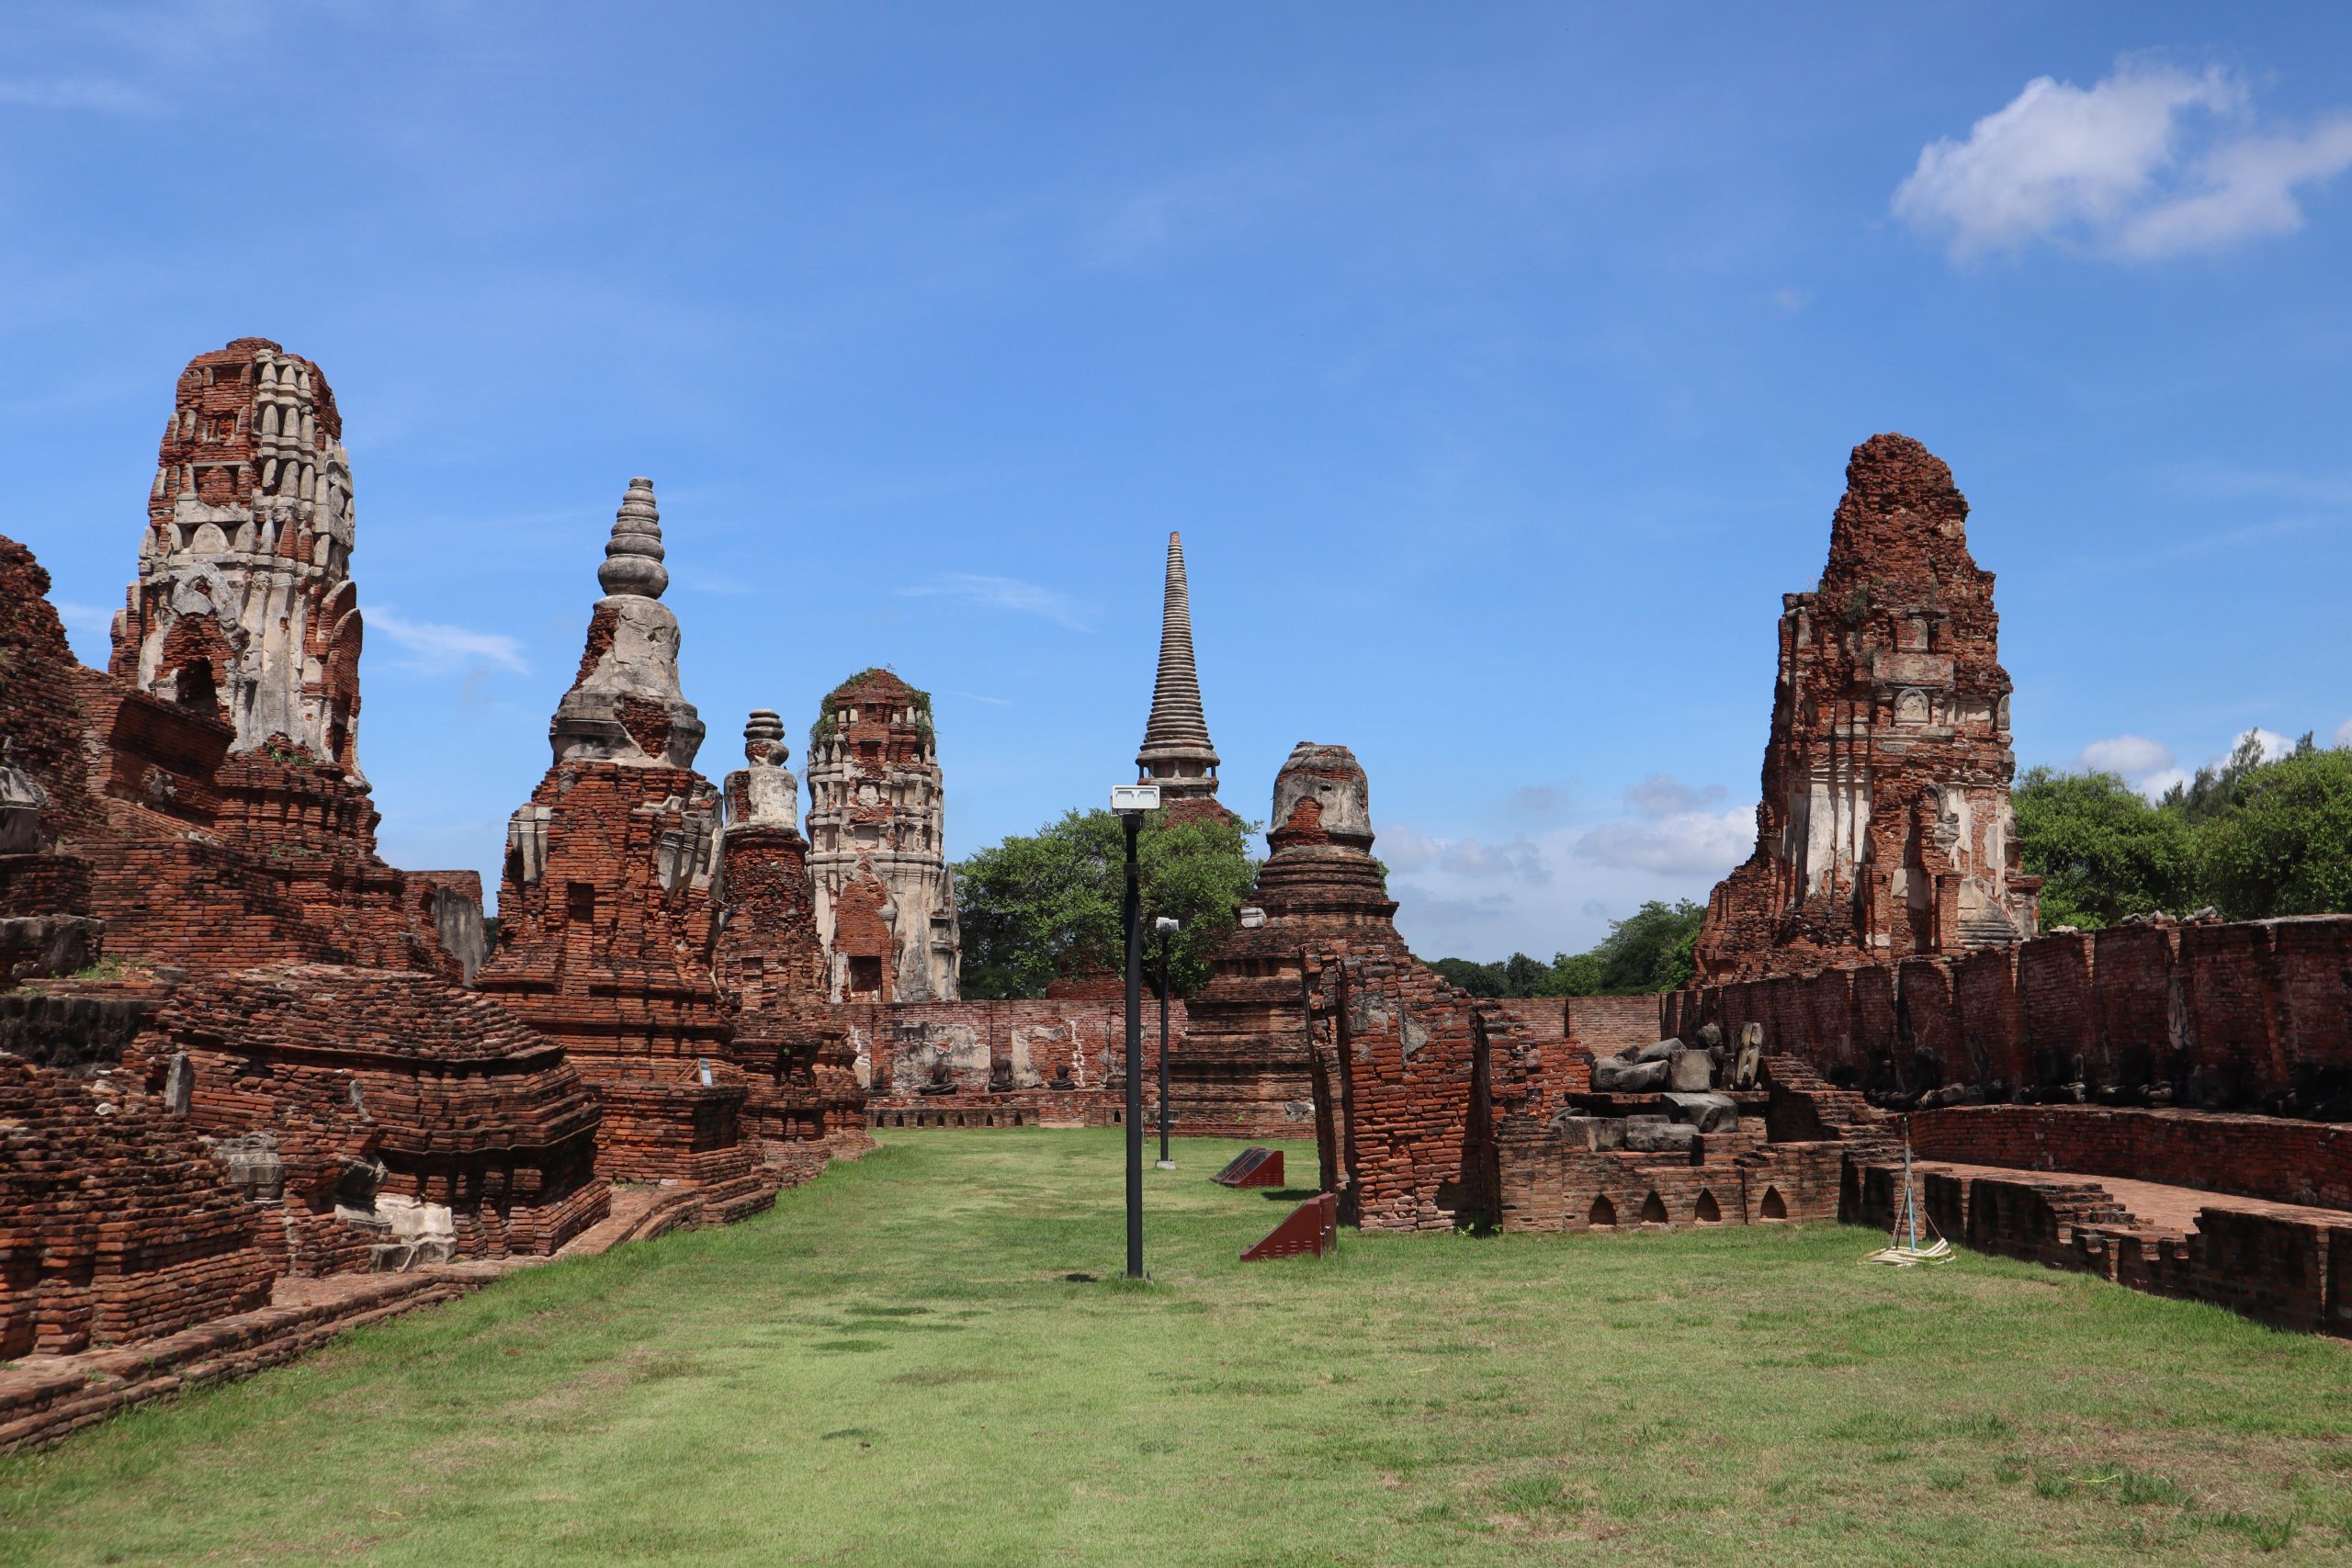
(1498, 363)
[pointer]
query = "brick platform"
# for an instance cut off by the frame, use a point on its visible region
(2285, 1264)
(45, 1397)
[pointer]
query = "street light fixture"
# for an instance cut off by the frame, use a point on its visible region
(1130, 802)
(1167, 926)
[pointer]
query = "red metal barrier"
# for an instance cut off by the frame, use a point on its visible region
(1252, 1167)
(1313, 1226)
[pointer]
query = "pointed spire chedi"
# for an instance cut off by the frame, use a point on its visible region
(625, 706)
(1176, 753)
(633, 555)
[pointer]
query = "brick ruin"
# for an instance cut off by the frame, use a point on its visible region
(2159, 1102)
(244, 606)
(356, 1101)
(1433, 1110)
(886, 905)
(304, 1091)
(1057, 1061)
(608, 915)
(256, 1084)
(801, 1073)
(1243, 1070)
(1884, 828)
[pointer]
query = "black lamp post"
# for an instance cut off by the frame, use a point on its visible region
(1131, 801)
(1167, 926)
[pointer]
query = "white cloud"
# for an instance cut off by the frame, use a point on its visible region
(1686, 843)
(1555, 891)
(2148, 766)
(2133, 756)
(1406, 849)
(2343, 734)
(1676, 829)
(2150, 162)
(1663, 794)
(1005, 593)
(2248, 189)
(435, 648)
(1521, 859)
(1518, 860)
(1538, 800)
(101, 94)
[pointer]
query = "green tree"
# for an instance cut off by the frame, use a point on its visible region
(1472, 977)
(1574, 975)
(2103, 851)
(1046, 904)
(1649, 950)
(2215, 790)
(2283, 846)
(1523, 975)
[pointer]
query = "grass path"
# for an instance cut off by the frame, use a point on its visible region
(893, 1367)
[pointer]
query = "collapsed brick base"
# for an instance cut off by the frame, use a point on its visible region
(459, 1103)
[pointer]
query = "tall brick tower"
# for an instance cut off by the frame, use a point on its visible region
(1885, 829)
(243, 608)
(799, 1064)
(609, 925)
(1177, 755)
(885, 903)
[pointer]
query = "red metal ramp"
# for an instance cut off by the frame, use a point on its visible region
(1313, 1227)
(1252, 1167)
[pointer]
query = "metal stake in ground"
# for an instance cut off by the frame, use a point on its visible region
(1167, 926)
(1131, 801)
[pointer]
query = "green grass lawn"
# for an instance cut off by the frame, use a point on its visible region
(903, 1364)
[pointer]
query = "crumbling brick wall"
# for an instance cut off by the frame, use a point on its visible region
(2291, 1269)
(41, 708)
(971, 1047)
(1737, 1178)
(2256, 1015)
(1403, 1102)
(115, 1225)
(797, 1057)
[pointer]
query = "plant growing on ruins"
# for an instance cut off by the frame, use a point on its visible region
(1042, 906)
(826, 724)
